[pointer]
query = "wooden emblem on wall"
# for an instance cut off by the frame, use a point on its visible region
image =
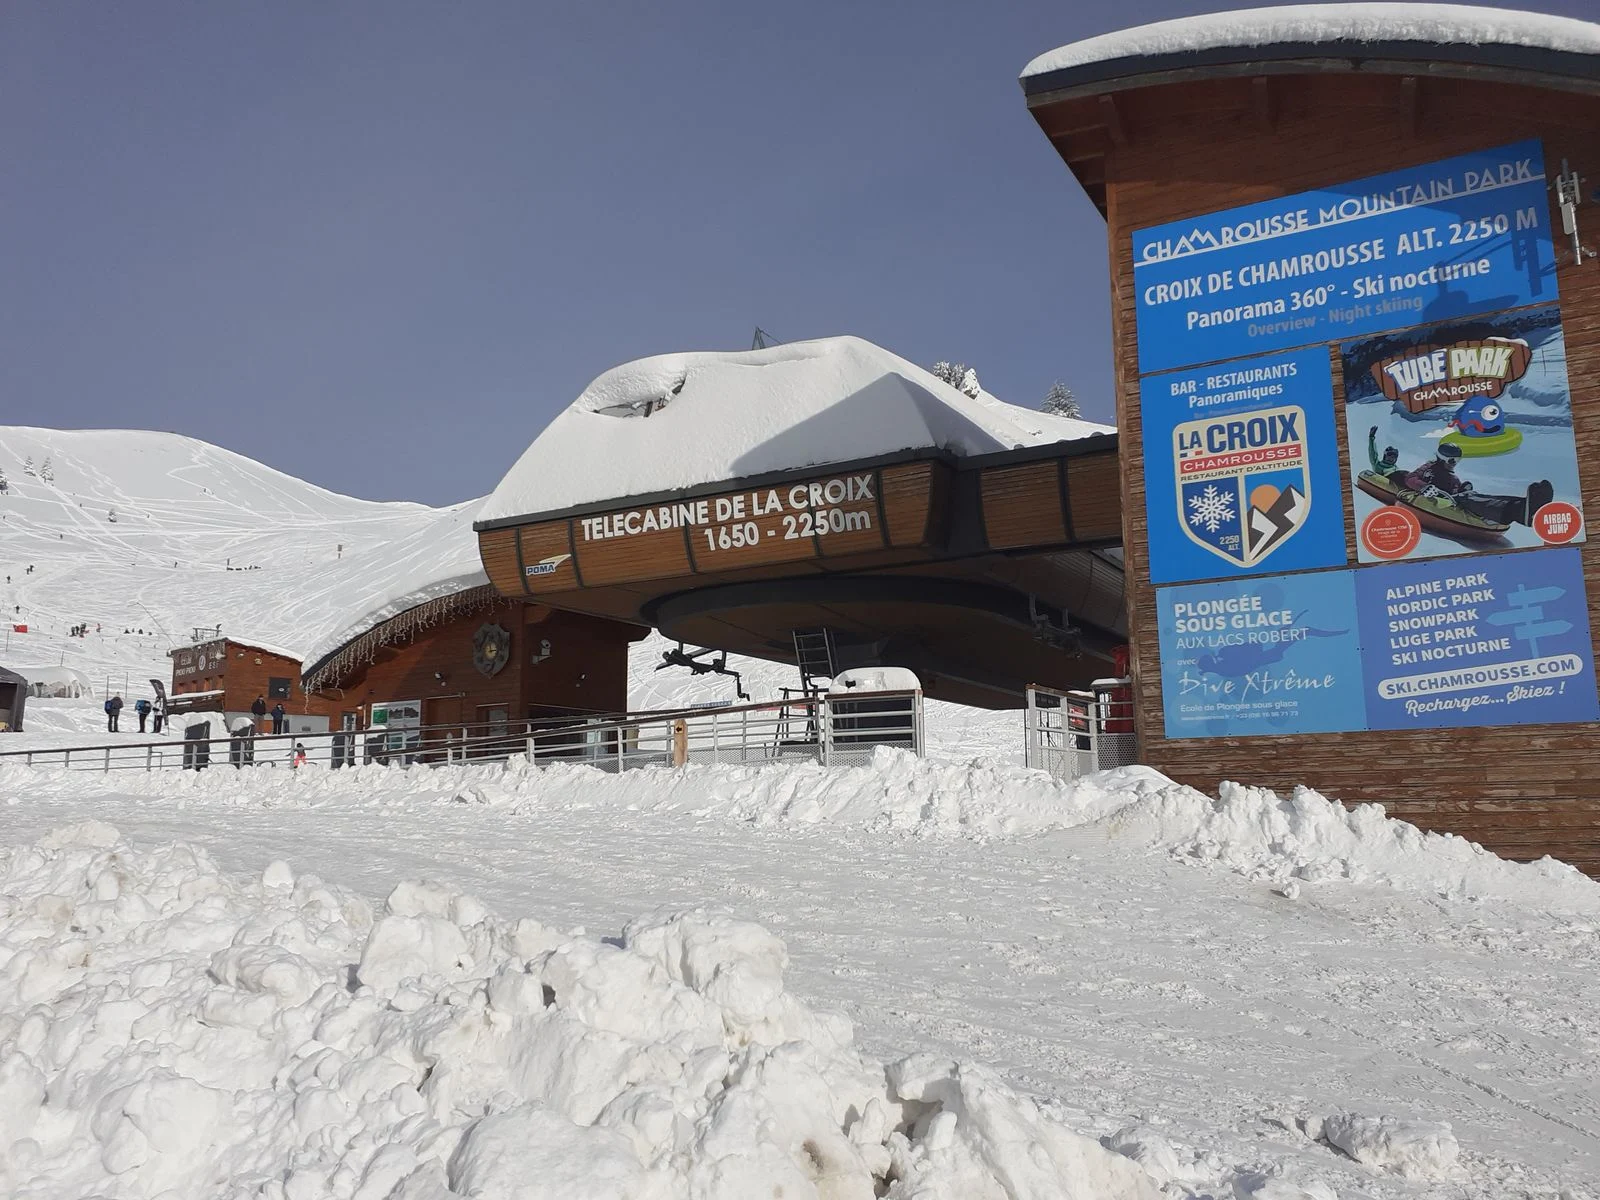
(491, 649)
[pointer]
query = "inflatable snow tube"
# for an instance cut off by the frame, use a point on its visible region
(1504, 442)
(1436, 515)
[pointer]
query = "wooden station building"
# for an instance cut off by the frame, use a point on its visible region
(472, 658)
(827, 504)
(1355, 296)
(225, 675)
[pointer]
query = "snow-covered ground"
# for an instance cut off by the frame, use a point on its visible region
(1251, 997)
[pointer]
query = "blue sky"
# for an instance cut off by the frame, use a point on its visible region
(380, 245)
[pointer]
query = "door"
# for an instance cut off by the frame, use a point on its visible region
(442, 716)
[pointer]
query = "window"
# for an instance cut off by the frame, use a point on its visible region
(277, 688)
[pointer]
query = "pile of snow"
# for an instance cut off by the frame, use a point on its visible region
(1284, 842)
(685, 420)
(166, 1030)
(1426, 24)
(1413, 1149)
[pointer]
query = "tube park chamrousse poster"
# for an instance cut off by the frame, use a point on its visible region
(1461, 438)
(1431, 292)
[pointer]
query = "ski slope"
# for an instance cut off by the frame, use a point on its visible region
(201, 537)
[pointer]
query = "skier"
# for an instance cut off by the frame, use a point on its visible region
(142, 707)
(161, 717)
(259, 711)
(278, 717)
(299, 759)
(113, 710)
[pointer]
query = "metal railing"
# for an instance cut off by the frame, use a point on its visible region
(842, 730)
(1076, 733)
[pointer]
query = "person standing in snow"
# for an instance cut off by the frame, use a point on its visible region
(142, 707)
(278, 717)
(113, 710)
(299, 759)
(259, 711)
(160, 711)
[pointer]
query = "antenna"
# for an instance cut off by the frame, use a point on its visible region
(1569, 194)
(762, 340)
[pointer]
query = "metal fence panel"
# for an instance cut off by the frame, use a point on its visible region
(809, 729)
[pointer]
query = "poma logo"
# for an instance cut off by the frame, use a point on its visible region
(546, 566)
(1243, 483)
(1428, 376)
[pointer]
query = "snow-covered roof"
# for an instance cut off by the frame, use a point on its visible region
(1322, 24)
(438, 558)
(679, 421)
(248, 643)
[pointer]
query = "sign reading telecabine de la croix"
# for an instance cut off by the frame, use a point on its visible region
(1242, 468)
(1429, 243)
(1499, 639)
(1252, 657)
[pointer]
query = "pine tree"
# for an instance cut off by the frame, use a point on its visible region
(27, 466)
(47, 472)
(1060, 402)
(959, 376)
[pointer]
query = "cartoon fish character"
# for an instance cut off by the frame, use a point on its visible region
(1480, 417)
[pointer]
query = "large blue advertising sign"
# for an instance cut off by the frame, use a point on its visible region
(1259, 656)
(1495, 639)
(1428, 243)
(1242, 468)
(1498, 639)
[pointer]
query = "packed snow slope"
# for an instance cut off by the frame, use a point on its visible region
(138, 530)
(1249, 996)
(685, 420)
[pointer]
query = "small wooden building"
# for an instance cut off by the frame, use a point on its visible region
(473, 659)
(1356, 319)
(226, 675)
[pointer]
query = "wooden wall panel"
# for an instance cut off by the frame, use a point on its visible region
(908, 498)
(1094, 494)
(542, 546)
(659, 554)
(498, 550)
(1523, 791)
(1022, 505)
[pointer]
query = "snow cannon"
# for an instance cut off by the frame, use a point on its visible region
(1480, 429)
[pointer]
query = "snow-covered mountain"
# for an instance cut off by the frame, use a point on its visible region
(131, 530)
